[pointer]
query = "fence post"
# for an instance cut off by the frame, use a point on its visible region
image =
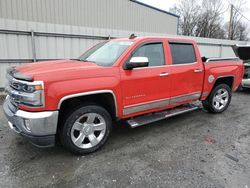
(33, 44)
(221, 50)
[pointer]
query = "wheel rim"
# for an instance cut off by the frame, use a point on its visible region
(88, 130)
(220, 99)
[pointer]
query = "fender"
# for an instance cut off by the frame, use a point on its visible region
(227, 76)
(206, 93)
(219, 77)
(89, 93)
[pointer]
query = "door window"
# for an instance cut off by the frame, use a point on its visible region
(182, 53)
(153, 51)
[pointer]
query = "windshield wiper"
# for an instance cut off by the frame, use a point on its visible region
(85, 60)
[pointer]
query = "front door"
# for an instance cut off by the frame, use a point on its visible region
(148, 88)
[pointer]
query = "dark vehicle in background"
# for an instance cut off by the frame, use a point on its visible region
(243, 52)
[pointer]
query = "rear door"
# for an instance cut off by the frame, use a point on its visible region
(186, 73)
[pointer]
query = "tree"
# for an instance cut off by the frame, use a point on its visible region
(237, 30)
(188, 11)
(209, 20)
(204, 18)
(200, 19)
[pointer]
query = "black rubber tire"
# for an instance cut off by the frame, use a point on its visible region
(208, 103)
(65, 133)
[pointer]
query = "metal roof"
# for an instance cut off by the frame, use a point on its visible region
(157, 9)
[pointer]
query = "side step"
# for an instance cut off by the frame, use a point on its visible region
(142, 120)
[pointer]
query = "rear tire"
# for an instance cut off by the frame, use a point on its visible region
(86, 129)
(219, 99)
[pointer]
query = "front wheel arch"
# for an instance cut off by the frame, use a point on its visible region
(65, 132)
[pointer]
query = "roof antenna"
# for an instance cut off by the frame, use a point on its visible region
(132, 36)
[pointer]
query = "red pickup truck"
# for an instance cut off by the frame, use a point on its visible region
(137, 79)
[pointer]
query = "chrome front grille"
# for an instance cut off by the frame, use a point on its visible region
(11, 88)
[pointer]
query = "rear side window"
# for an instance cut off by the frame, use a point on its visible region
(153, 51)
(182, 53)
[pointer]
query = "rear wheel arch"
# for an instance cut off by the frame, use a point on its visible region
(228, 80)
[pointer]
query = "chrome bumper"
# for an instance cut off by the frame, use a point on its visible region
(246, 83)
(39, 127)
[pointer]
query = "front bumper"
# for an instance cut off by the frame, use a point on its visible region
(38, 127)
(246, 83)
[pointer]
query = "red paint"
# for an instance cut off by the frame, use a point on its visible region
(65, 77)
(209, 140)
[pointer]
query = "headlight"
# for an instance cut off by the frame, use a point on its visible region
(32, 99)
(26, 87)
(30, 94)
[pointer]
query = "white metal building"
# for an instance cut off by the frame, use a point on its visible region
(110, 14)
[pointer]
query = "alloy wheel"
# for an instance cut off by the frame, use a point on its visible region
(88, 130)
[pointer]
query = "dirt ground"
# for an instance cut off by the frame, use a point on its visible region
(196, 149)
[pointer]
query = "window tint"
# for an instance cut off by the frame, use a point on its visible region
(153, 51)
(182, 53)
(106, 53)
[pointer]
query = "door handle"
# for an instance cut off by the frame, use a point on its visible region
(198, 70)
(164, 74)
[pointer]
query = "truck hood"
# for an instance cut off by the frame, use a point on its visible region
(242, 51)
(54, 69)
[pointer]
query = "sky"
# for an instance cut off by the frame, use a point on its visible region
(167, 4)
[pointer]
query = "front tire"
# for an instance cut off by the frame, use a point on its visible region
(86, 129)
(219, 99)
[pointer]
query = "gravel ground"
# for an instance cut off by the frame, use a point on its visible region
(196, 149)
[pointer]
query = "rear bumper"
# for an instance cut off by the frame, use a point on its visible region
(246, 83)
(38, 127)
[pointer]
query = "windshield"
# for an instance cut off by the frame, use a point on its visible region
(106, 53)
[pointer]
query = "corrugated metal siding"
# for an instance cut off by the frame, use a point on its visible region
(115, 14)
(19, 47)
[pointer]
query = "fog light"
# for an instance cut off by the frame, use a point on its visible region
(27, 124)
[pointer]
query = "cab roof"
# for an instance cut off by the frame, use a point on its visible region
(137, 39)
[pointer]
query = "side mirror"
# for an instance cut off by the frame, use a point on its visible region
(137, 62)
(204, 59)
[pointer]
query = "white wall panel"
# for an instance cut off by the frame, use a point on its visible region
(209, 51)
(116, 14)
(227, 52)
(14, 46)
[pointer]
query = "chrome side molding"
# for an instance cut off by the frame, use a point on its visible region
(160, 103)
(223, 59)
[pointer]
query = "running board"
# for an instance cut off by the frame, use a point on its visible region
(146, 119)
